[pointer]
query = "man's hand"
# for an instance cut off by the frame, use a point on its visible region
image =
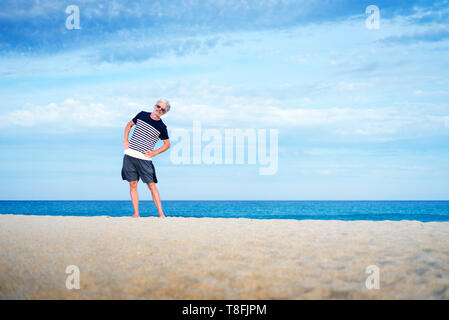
(151, 153)
(126, 144)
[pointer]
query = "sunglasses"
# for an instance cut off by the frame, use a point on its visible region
(163, 110)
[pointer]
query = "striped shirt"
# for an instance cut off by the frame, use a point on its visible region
(146, 133)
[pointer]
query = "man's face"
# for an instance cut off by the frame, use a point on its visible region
(160, 108)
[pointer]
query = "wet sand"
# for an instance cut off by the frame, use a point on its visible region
(218, 258)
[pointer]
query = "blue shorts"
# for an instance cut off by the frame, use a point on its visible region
(134, 168)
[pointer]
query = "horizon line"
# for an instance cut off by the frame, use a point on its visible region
(230, 200)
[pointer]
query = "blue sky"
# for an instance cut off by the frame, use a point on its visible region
(361, 113)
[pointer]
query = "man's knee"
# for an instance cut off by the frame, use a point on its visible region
(133, 184)
(152, 185)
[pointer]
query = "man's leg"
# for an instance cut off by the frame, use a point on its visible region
(156, 198)
(134, 198)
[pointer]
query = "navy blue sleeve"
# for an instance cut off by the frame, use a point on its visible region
(164, 134)
(137, 116)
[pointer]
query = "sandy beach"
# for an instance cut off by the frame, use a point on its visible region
(215, 258)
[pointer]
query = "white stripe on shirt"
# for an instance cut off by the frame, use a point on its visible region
(136, 154)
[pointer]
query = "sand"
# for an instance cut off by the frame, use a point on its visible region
(215, 258)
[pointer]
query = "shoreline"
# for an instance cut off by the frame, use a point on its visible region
(214, 218)
(221, 258)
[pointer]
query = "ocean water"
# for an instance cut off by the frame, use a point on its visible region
(424, 211)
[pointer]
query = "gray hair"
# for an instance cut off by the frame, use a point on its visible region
(165, 102)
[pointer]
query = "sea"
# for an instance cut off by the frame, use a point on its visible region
(424, 211)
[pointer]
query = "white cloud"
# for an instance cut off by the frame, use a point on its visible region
(298, 59)
(324, 172)
(220, 106)
(440, 120)
(350, 86)
(67, 115)
(431, 92)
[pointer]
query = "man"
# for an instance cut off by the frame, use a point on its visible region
(139, 151)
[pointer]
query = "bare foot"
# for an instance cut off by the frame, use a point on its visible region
(161, 215)
(136, 216)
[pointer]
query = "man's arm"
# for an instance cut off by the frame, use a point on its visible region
(152, 153)
(164, 147)
(127, 130)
